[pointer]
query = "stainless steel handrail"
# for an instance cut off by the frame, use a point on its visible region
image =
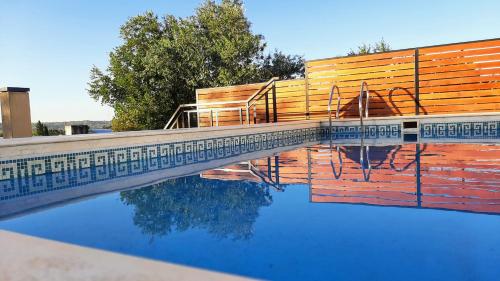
(337, 112)
(332, 92)
(198, 105)
(175, 115)
(249, 102)
(268, 83)
(216, 110)
(364, 86)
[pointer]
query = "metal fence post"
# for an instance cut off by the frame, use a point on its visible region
(275, 110)
(269, 169)
(277, 169)
(417, 84)
(255, 113)
(307, 91)
(248, 113)
(266, 96)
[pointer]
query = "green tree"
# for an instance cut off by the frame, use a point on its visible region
(41, 129)
(364, 49)
(45, 130)
(163, 61)
(283, 66)
(55, 132)
(381, 46)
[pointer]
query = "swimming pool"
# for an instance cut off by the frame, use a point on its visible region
(349, 210)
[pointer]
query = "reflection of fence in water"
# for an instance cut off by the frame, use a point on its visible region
(428, 176)
(435, 176)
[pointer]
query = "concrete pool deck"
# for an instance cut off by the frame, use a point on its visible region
(27, 147)
(31, 258)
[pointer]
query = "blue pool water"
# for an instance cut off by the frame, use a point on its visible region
(424, 214)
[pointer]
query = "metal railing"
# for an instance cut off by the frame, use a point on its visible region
(332, 92)
(175, 116)
(258, 95)
(364, 150)
(362, 92)
(182, 115)
(334, 89)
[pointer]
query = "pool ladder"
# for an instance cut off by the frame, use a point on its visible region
(334, 89)
(364, 161)
(364, 90)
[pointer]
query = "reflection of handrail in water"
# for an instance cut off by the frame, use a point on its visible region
(254, 171)
(363, 148)
(393, 156)
(257, 173)
(340, 162)
(364, 89)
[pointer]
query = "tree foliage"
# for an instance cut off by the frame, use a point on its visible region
(163, 60)
(42, 130)
(364, 49)
(283, 66)
(38, 129)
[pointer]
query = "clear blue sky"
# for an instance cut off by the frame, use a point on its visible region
(51, 45)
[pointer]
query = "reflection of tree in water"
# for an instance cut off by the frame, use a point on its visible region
(223, 208)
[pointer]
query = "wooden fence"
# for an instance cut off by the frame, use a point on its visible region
(390, 78)
(290, 95)
(225, 94)
(444, 79)
(460, 77)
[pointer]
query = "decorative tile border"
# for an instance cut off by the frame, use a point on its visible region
(460, 130)
(473, 130)
(29, 176)
(25, 176)
(371, 132)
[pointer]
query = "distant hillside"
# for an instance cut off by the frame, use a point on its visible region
(60, 125)
(91, 124)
